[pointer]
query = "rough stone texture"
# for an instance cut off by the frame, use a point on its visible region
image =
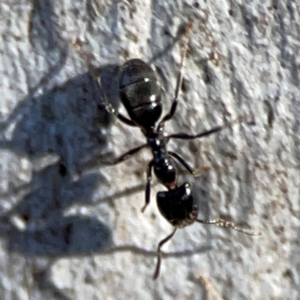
(69, 232)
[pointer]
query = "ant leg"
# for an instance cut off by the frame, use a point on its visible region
(181, 160)
(128, 154)
(171, 113)
(246, 119)
(195, 172)
(161, 243)
(148, 185)
(230, 225)
(100, 160)
(240, 119)
(97, 79)
(111, 110)
(185, 136)
(181, 32)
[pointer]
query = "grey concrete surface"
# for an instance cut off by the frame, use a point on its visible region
(68, 231)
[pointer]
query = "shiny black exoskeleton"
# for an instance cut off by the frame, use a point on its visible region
(140, 93)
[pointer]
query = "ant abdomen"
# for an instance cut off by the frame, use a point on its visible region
(140, 93)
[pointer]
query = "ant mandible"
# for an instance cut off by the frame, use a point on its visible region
(140, 93)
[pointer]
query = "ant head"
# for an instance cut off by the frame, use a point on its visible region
(178, 205)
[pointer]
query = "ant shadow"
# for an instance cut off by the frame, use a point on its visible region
(60, 121)
(70, 121)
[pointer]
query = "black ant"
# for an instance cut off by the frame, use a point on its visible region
(140, 94)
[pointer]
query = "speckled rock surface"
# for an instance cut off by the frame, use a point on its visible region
(74, 232)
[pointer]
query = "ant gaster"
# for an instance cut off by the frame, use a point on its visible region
(140, 93)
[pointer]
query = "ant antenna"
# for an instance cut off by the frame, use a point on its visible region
(218, 222)
(230, 225)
